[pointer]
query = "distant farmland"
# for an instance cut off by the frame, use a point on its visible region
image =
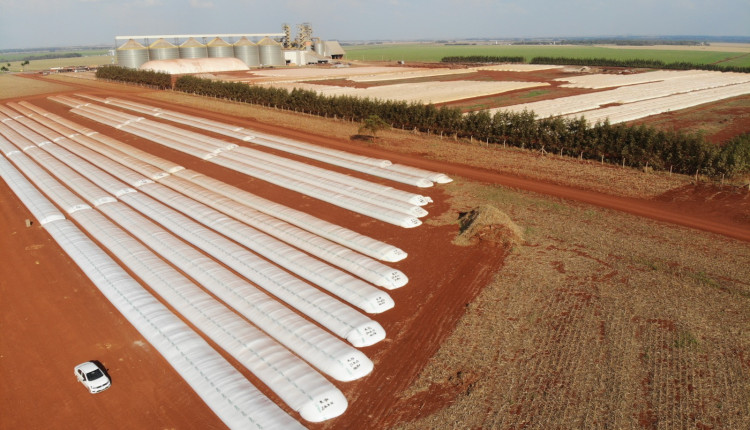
(431, 53)
(94, 57)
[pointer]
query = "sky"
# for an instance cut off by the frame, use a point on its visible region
(46, 23)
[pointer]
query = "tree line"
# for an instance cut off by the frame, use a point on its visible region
(635, 146)
(150, 78)
(640, 63)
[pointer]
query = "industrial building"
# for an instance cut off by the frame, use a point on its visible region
(195, 53)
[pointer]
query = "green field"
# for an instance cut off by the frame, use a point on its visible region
(433, 52)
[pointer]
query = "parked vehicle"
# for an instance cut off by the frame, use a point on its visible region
(92, 376)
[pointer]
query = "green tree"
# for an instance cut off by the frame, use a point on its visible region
(373, 124)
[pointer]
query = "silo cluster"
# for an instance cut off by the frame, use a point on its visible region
(267, 52)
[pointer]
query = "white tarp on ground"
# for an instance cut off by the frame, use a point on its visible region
(677, 84)
(297, 384)
(237, 403)
(181, 66)
(114, 149)
(341, 319)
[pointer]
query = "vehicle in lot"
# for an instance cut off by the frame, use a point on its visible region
(92, 376)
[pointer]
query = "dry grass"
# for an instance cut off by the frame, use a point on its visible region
(487, 223)
(14, 86)
(601, 320)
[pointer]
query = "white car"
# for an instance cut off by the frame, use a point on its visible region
(92, 377)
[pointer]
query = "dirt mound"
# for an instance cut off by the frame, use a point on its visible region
(488, 224)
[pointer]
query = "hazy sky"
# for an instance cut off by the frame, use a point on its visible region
(33, 23)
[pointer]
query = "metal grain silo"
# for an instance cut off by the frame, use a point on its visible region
(132, 54)
(218, 48)
(319, 47)
(193, 49)
(163, 50)
(270, 53)
(247, 51)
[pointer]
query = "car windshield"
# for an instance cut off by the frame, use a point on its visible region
(94, 375)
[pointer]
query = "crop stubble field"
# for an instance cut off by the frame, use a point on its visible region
(599, 319)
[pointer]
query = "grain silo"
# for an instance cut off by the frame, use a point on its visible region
(163, 50)
(218, 48)
(270, 53)
(247, 51)
(132, 54)
(193, 49)
(319, 47)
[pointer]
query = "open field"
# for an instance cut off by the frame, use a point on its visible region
(12, 86)
(432, 53)
(39, 65)
(19, 56)
(618, 310)
(597, 93)
(418, 92)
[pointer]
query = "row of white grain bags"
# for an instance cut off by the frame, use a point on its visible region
(322, 347)
(397, 200)
(347, 184)
(327, 192)
(628, 94)
(234, 400)
(260, 239)
(339, 318)
(312, 242)
(338, 283)
(642, 109)
(332, 279)
(376, 167)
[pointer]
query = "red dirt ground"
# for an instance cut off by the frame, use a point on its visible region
(53, 317)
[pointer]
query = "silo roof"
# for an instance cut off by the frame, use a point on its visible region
(161, 43)
(218, 41)
(192, 43)
(132, 44)
(268, 41)
(333, 47)
(244, 42)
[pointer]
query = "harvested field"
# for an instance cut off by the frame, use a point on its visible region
(688, 82)
(597, 81)
(12, 86)
(601, 318)
(641, 109)
(420, 92)
(314, 73)
(619, 96)
(518, 67)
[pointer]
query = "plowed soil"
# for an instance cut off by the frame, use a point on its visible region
(594, 322)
